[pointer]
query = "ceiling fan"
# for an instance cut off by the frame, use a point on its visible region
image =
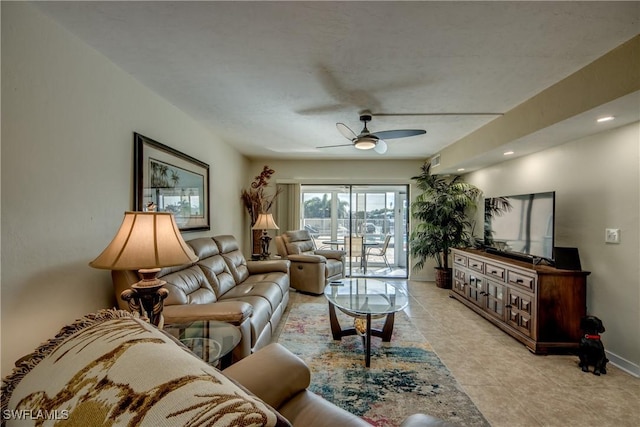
(367, 140)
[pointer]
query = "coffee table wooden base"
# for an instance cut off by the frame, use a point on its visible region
(384, 333)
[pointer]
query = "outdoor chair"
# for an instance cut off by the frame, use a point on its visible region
(380, 251)
(353, 246)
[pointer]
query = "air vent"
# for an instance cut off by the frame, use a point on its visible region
(435, 160)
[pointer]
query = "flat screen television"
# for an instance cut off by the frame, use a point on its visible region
(524, 228)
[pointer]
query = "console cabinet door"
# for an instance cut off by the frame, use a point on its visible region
(475, 292)
(520, 309)
(494, 299)
(459, 281)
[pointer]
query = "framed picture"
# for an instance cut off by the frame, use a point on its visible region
(172, 181)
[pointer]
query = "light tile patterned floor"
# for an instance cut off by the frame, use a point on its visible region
(511, 386)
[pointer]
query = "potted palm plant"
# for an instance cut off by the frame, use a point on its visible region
(442, 212)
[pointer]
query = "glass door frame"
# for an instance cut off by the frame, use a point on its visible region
(372, 211)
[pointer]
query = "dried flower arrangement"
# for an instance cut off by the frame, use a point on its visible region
(257, 201)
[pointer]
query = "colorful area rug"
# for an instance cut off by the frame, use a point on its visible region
(405, 376)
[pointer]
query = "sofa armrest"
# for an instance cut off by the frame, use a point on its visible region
(308, 409)
(225, 311)
(313, 259)
(273, 373)
(268, 266)
(328, 253)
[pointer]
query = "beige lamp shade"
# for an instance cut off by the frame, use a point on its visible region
(145, 240)
(265, 222)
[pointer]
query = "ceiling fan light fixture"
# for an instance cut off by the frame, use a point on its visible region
(366, 143)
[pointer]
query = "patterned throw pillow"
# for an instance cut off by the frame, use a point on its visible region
(110, 368)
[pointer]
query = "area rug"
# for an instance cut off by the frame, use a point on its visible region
(405, 377)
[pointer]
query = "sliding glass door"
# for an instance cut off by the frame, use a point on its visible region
(369, 222)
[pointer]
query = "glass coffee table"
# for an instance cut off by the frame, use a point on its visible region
(365, 299)
(211, 340)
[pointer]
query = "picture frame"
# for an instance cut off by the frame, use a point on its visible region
(172, 181)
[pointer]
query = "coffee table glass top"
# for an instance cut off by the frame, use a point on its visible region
(208, 339)
(363, 296)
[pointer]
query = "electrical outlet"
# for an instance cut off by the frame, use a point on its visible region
(612, 235)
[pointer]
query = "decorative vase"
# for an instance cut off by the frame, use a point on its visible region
(443, 278)
(255, 242)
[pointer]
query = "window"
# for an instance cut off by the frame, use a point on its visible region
(332, 213)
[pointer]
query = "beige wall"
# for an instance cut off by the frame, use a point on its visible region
(68, 117)
(596, 183)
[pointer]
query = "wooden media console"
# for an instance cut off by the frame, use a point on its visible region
(539, 305)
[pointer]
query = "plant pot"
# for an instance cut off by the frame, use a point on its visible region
(443, 278)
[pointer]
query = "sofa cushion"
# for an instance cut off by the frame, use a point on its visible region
(113, 369)
(267, 290)
(203, 247)
(188, 286)
(260, 317)
(217, 273)
(231, 253)
(213, 264)
(279, 279)
(300, 247)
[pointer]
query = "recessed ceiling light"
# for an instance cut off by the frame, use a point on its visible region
(605, 119)
(460, 169)
(508, 153)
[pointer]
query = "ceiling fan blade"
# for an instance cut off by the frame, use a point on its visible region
(340, 145)
(381, 147)
(400, 133)
(346, 131)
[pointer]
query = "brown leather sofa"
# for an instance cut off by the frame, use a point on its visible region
(311, 268)
(113, 368)
(222, 285)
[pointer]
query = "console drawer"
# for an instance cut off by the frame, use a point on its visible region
(522, 280)
(476, 265)
(460, 259)
(494, 271)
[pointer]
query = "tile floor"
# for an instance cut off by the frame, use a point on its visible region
(511, 386)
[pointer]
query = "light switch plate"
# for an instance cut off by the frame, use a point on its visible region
(612, 235)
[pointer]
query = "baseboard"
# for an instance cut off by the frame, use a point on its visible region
(624, 364)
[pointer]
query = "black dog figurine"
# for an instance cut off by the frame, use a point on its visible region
(591, 350)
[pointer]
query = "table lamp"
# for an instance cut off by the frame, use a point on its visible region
(146, 241)
(265, 222)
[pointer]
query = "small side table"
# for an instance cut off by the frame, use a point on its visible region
(211, 340)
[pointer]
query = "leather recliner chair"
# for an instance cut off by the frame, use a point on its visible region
(311, 269)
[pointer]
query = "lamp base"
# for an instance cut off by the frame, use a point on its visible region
(265, 240)
(147, 296)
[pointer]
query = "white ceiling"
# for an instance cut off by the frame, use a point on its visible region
(273, 78)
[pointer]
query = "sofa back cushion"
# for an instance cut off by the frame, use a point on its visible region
(213, 265)
(203, 247)
(230, 251)
(188, 286)
(110, 368)
(298, 242)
